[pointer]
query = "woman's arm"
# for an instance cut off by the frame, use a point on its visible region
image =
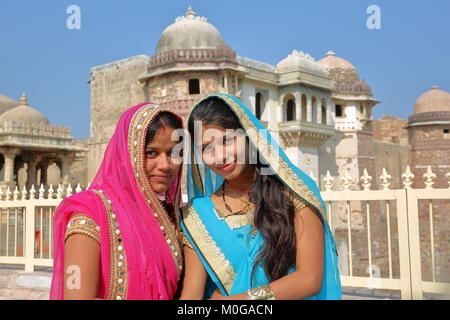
(81, 259)
(195, 276)
(306, 281)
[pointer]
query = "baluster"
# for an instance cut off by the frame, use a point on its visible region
(59, 192)
(32, 192)
(16, 193)
(24, 193)
(385, 179)
(430, 177)
(8, 194)
(69, 190)
(328, 181)
(366, 180)
(51, 192)
(407, 177)
(41, 192)
(346, 181)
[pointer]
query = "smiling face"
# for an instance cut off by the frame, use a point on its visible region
(225, 151)
(160, 167)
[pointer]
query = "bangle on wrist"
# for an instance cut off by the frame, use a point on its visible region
(264, 292)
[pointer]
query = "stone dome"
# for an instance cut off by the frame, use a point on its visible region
(299, 59)
(189, 32)
(23, 112)
(345, 76)
(433, 100)
(331, 62)
(7, 103)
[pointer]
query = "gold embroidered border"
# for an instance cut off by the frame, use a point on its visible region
(136, 145)
(81, 224)
(212, 253)
(196, 178)
(118, 280)
(241, 220)
(186, 242)
(287, 175)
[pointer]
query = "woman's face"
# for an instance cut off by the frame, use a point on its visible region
(224, 151)
(161, 168)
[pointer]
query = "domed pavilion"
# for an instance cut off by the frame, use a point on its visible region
(30, 145)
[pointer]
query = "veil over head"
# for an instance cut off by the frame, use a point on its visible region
(203, 182)
(140, 250)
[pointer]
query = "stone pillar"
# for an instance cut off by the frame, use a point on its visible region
(236, 84)
(44, 163)
(32, 171)
(329, 106)
(66, 163)
(280, 112)
(298, 106)
(319, 111)
(226, 82)
(10, 156)
(309, 108)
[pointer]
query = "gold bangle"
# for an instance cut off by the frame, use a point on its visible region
(264, 292)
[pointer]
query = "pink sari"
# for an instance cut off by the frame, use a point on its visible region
(141, 255)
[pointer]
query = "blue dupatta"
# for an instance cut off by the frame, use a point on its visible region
(228, 255)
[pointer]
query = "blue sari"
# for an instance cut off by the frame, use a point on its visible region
(228, 254)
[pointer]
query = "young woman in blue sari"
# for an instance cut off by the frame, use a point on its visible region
(254, 227)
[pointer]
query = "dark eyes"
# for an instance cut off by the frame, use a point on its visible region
(225, 141)
(152, 154)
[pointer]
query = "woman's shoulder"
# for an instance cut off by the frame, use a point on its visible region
(81, 196)
(301, 206)
(296, 201)
(85, 203)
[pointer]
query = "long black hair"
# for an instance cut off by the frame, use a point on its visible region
(274, 212)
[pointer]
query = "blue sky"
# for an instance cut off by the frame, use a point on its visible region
(40, 56)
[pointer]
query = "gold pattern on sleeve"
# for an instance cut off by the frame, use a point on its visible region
(186, 242)
(298, 204)
(81, 224)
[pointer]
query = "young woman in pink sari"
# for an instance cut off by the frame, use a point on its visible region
(120, 239)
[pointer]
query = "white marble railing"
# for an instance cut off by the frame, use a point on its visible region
(26, 224)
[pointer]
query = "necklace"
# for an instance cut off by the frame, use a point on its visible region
(243, 211)
(248, 191)
(236, 220)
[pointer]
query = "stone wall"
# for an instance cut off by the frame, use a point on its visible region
(114, 88)
(430, 147)
(391, 129)
(78, 170)
(16, 284)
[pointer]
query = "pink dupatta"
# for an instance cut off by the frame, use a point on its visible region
(141, 256)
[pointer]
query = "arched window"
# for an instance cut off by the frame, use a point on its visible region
(258, 106)
(290, 110)
(324, 114)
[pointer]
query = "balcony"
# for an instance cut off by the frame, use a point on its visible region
(304, 134)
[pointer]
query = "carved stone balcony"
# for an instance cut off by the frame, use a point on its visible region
(304, 134)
